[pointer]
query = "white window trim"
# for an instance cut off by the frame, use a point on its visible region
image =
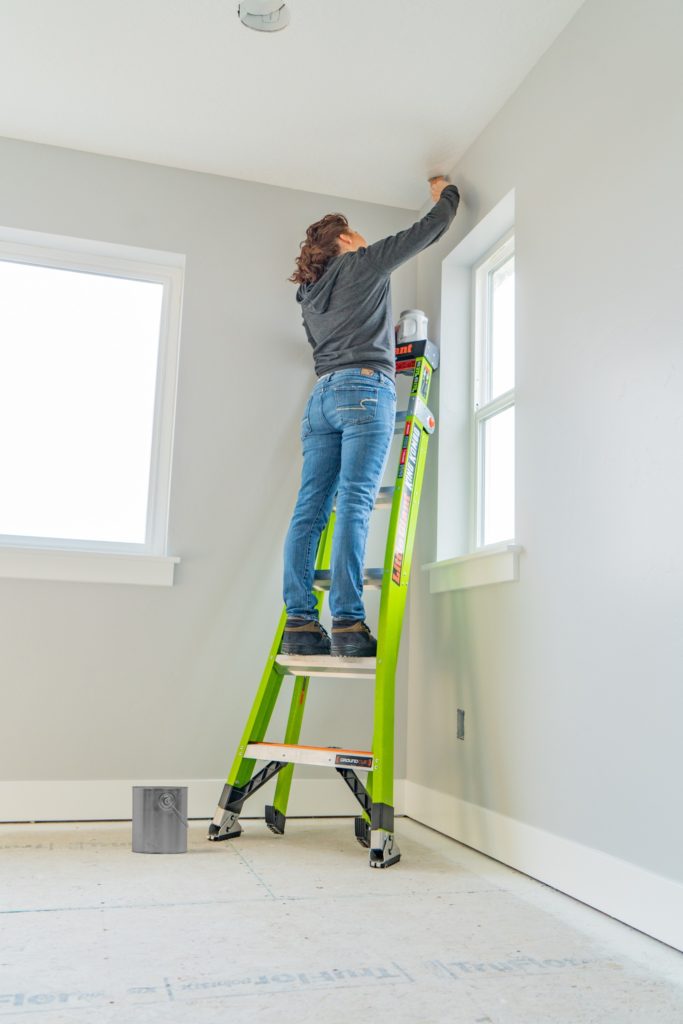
(102, 561)
(495, 563)
(86, 566)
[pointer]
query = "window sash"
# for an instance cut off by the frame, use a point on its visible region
(482, 304)
(483, 407)
(481, 418)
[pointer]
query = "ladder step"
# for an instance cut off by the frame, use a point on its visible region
(385, 497)
(327, 665)
(399, 425)
(334, 757)
(372, 578)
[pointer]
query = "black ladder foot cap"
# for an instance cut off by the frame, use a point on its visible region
(275, 820)
(362, 830)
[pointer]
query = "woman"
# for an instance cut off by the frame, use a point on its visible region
(348, 422)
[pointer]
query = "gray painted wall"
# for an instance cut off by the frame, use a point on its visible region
(571, 677)
(105, 681)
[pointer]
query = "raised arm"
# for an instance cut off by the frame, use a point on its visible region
(389, 253)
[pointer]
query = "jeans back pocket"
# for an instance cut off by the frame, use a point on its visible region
(355, 403)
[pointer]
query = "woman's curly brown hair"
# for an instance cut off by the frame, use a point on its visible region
(318, 248)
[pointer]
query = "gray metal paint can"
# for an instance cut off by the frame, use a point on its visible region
(412, 326)
(159, 819)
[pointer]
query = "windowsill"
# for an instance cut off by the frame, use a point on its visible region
(498, 563)
(86, 566)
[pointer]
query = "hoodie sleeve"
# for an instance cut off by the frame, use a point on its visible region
(389, 253)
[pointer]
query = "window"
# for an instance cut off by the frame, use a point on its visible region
(88, 365)
(493, 412)
(476, 377)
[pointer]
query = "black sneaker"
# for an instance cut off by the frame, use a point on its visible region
(351, 638)
(304, 636)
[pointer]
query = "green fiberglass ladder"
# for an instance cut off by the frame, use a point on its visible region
(374, 828)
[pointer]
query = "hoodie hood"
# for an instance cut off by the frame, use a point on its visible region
(316, 296)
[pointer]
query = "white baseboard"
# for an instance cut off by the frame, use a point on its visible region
(651, 903)
(112, 799)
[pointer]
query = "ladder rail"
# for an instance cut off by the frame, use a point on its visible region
(397, 566)
(292, 733)
(296, 708)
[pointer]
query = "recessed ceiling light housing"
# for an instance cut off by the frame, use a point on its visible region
(264, 15)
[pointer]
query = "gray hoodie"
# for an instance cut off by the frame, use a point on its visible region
(347, 312)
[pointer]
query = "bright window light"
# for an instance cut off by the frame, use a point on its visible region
(499, 476)
(493, 407)
(78, 369)
(502, 292)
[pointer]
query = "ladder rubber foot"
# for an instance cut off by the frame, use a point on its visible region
(387, 854)
(275, 820)
(377, 859)
(362, 832)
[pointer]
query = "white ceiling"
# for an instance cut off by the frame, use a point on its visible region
(357, 98)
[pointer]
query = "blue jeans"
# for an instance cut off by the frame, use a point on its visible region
(346, 432)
